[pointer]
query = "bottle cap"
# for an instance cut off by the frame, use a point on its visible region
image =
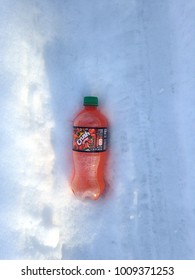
(90, 101)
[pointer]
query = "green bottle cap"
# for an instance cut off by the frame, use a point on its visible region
(90, 101)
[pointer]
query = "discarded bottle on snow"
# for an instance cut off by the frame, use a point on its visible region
(90, 140)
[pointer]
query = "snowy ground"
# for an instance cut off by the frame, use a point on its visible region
(138, 57)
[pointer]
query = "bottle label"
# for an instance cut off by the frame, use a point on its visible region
(90, 139)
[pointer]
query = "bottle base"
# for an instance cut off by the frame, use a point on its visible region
(87, 195)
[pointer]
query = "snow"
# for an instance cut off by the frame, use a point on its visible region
(137, 57)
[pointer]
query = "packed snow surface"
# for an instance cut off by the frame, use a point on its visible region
(138, 57)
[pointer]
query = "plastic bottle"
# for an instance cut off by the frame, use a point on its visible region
(90, 130)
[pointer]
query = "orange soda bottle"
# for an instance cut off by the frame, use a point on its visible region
(90, 141)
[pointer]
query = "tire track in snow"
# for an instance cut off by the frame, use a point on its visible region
(183, 44)
(151, 202)
(161, 231)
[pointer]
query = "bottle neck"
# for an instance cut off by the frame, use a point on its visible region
(90, 108)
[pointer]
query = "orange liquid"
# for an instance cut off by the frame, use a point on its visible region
(89, 168)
